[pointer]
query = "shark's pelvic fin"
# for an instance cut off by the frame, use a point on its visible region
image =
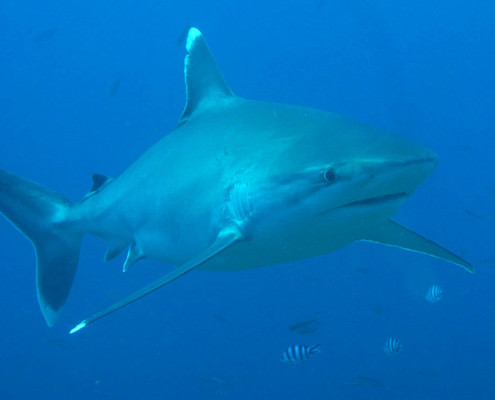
(39, 214)
(225, 239)
(393, 234)
(205, 85)
(134, 254)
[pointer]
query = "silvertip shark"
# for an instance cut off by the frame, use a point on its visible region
(237, 184)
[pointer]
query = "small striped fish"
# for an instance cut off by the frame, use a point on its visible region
(392, 346)
(434, 294)
(298, 353)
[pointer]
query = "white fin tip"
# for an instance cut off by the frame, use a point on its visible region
(78, 327)
(193, 34)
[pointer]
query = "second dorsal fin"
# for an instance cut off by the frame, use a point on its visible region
(99, 182)
(205, 85)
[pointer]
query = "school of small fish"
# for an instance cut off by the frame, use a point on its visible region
(297, 353)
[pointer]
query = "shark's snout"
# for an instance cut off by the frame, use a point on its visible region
(418, 166)
(425, 156)
(389, 179)
(402, 176)
(427, 162)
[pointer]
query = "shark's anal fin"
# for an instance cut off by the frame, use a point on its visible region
(114, 249)
(225, 239)
(393, 234)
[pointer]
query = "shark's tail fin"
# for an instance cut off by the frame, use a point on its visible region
(40, 214)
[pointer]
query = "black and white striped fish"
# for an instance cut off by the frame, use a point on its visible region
(434, 294)
(298, 353)
(392, 346)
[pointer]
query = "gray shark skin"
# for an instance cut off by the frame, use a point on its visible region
(237, 184)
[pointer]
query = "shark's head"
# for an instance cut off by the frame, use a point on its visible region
(337, 164)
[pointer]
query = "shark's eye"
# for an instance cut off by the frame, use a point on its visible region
(329, 175)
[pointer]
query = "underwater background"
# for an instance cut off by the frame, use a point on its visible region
(86, 87)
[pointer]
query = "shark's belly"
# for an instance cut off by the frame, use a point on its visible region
(300, 239)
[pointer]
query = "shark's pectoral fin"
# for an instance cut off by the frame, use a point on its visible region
(225, 239)
(393, 234)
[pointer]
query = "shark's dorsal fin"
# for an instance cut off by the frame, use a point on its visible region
(392, 234)
(205, 86)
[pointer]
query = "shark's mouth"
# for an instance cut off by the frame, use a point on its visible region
(379, 200)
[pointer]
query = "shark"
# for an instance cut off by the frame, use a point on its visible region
(237, 184)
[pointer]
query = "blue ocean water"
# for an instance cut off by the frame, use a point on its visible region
(87, 86)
